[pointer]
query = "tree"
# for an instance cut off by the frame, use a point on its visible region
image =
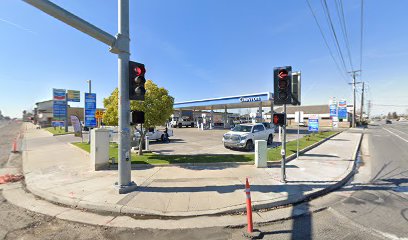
(394, 115)
(158, 106)
(389, 115)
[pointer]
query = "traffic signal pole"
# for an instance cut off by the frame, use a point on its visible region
(118, 45)
(283, 150)
(124, 102)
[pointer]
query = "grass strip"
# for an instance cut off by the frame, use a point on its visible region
(57, 131)
(273, 154)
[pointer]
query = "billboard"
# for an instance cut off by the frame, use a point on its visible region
(59, 106)
(313, 123)
(90, 109)
(73, 96)
(333, 107)
(342, 109)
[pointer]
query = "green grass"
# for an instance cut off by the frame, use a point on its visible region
(151, 158)
(275, 153)
(57, 130)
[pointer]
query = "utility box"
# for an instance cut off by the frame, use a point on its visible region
(99, 148)
(261, 154)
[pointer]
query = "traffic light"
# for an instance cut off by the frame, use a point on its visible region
(136, 117)
(296, 90)
(282, 77)
(279, 119)
(137, 81)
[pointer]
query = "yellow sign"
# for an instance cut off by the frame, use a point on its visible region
(99, 114)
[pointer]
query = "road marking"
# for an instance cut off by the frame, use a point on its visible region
(399, 130)
(396, 135)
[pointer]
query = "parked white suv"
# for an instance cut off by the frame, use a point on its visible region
(243, 136)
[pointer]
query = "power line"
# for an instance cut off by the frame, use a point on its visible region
(325, 41)
(361, 35)
(327, 11)
(343, 27)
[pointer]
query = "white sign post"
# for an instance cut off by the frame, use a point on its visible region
(298, 119)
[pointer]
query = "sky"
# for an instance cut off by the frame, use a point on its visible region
(205, 49)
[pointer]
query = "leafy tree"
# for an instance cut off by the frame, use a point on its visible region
(158, 106)
(389, 115)
(394, 115)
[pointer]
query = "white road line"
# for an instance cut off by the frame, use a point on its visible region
(398, 130)
(395, 134)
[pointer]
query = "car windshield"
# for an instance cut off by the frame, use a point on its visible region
(242, 128)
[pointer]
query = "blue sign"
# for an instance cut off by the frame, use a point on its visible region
(59, 108)
(313, 124)
(333, 111)
(342, 109)
(90, 109)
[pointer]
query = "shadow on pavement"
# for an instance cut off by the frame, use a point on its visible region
(319, 155)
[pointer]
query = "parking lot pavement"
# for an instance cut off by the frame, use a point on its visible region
(194, 141)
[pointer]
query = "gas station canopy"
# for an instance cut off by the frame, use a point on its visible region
(243, 101)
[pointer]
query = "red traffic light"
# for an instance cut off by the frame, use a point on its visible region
(139, 70)
(275, 120)
(279, 119)
(283, 73)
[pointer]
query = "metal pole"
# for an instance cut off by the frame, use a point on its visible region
(354, 100)
(297, 144)
(66, 112)
(283, 150)
(362, 104)
(74, 21)
(124, 103)
(89, 128)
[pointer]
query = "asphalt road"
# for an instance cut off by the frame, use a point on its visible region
(372, 206)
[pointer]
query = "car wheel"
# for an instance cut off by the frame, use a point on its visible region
(270, 139)
(249, 146)
(180, 125)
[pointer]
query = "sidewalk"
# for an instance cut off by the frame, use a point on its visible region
(59, 172)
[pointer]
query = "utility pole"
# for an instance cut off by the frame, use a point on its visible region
(362, 104)
(368, 109)
(353, 73)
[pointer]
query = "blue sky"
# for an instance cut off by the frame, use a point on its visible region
(203, 49)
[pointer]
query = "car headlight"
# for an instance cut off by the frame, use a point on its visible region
(243, 137)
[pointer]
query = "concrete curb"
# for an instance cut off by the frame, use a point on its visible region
(257, 205)
(17, 195)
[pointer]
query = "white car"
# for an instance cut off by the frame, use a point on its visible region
(155, 134)
(243, 136)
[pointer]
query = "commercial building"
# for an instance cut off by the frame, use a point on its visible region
(43, 113)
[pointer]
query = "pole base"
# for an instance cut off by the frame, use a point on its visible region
(256, 234)
(123, 189)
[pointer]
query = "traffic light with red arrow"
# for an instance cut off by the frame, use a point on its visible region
(282, 85)
(137, 81)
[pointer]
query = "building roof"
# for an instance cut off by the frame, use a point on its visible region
(312, 109)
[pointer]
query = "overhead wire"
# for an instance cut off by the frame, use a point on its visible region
(330, 23)
(343, 27)
(325, 41)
